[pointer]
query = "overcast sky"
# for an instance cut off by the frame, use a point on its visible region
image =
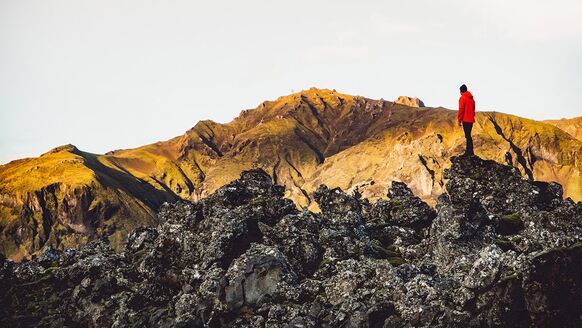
(105, 75)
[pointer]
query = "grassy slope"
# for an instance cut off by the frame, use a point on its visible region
(60, 165)
(66, 197)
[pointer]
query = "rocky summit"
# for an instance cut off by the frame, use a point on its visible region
(498, 250)
(409, 101)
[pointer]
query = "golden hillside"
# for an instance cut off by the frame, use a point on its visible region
(572, 126)
(67, 196)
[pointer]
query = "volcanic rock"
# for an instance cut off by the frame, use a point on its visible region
(497, 251)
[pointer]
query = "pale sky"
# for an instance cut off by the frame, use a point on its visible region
(106, 75)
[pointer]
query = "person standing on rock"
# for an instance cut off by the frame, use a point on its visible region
(466, 117)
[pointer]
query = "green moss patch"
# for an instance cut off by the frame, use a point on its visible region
(510, 224)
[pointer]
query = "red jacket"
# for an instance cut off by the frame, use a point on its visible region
(466, 108)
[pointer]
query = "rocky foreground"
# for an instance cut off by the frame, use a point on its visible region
(498, 250)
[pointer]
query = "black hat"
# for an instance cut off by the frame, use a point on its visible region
(463, 88)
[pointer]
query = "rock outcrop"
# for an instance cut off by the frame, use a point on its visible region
(497, 251)
(409, 101)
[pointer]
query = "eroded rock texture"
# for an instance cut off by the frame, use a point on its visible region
(498, 251)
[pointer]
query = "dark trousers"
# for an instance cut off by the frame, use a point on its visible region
(467, 127)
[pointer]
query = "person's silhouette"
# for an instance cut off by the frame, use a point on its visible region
(466, 117)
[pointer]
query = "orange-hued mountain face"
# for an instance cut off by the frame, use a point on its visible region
(67, 197)
(572, 126)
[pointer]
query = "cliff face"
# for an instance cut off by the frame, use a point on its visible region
(498, 250)
(302, 140)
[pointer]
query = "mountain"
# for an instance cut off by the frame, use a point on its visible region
(317, 136)
(67, 197)
(497, 251)
(573, 126)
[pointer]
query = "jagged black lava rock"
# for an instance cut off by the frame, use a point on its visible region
(497, 251)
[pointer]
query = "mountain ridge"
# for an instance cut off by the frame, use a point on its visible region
(302, 140)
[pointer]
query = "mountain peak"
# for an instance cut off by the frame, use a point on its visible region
(316, 95)
(64, 148)
(315, 90)
(314, 98)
